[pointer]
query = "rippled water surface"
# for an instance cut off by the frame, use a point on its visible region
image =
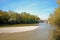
(44, 32)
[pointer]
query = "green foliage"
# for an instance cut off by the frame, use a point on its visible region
(54, 18)
(16, 18)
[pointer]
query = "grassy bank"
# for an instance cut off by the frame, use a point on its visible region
(18, 25)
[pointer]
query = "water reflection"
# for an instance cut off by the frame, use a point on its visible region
(44, 32)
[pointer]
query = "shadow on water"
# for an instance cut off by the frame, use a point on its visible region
(44, 32)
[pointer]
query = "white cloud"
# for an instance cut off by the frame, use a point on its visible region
(27, 8)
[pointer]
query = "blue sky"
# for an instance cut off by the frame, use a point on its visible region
(41, 8)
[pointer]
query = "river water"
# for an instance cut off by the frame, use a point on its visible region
(44, 32)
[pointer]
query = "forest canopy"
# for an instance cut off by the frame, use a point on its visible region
(11, 17)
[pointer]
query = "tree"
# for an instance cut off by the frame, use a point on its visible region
(54, 18)
(3, 17)
(11, 17)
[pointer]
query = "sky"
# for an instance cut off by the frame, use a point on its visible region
(41, 8)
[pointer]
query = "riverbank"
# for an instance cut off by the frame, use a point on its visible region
(18, 25)
(17, 29)
(44, 32)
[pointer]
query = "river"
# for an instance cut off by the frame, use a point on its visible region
(44, 32)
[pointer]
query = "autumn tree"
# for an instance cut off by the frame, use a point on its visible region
(54, 18)
(11, 17)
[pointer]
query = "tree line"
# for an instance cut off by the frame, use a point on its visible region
(54, 19)
(11, 17)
